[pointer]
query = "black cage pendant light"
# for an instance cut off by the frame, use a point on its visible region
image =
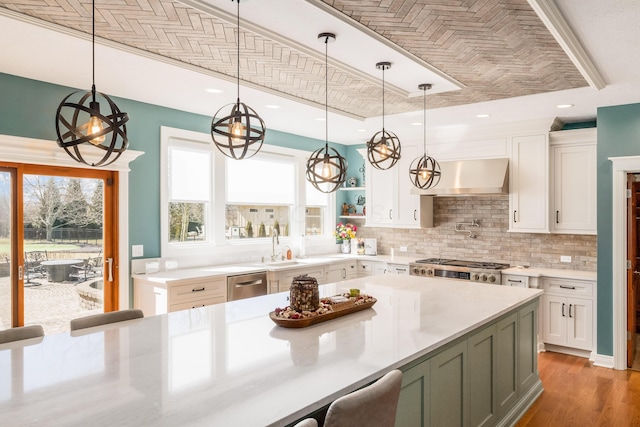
(424, 171)
(83, 130)
(240, 134)
(383, 149)
(326, 168)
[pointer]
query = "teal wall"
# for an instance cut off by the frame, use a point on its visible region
(28, 107)
(618, 135)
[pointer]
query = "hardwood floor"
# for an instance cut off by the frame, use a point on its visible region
(576, 393)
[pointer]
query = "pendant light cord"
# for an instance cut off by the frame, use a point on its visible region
(93, 50)
(326, 94)
(238, 50)
(424, 120)
(383, 101)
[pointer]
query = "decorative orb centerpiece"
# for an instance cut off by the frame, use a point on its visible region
(326, 169)
(424, 172)
(240, 134)
(383, 150)
(88, 135)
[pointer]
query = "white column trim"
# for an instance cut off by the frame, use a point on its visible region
(621, 167)
(17, 149)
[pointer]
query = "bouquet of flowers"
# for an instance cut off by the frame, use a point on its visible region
(345, 231)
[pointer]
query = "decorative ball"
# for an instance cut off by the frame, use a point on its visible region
(383, 150)
(326, 169)
(424, 172)
(240, 134)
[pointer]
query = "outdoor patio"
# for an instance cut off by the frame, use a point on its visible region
(52, 305)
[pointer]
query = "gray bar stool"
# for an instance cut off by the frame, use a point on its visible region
(21, 333)
(105, 318)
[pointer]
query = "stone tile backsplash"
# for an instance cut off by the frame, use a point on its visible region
(492, 243)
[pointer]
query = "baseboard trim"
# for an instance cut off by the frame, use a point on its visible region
(602, 360)
(569, 350)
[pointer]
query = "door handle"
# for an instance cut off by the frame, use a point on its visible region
(415, 211)
(390, 210)
(20, 272)
(110, 269)
(514, 216)
(570, 305)
(563, 310)
(557, 219)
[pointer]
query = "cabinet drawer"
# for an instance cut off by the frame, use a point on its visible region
(196, 303)
(198, 291)
(515, 281)
(567, 287)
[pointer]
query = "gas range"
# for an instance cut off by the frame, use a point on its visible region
(475, 271)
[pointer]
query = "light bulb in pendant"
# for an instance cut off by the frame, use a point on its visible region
(94, 126)
(424, 173)
(326, 169)
(237, 131)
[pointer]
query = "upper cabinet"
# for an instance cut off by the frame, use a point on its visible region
(573, 178)
(389, 199)
(529, 184)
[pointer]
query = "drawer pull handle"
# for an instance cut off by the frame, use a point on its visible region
(197, 289)
(514, 281)
(567, 287)
(196, 306)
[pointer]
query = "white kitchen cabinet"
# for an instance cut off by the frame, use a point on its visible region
(567, 313)
(280, 280)
(515, 280)
(369, 268)
(573, 181)
(159, 298)
(529, 184)
(341, 270)
(389, 199)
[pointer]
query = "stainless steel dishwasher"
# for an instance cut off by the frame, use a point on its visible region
(246, 285)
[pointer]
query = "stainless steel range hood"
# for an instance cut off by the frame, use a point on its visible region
(471, 178)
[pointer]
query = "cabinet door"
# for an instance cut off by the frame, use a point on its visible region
(380, 196)
(482, 377)
(408, 210)
(449, 387)
(554, 320)
(574, 189)
(580, 323)
(506, 364)
(336, 272)
(529, 184)
(413, 405)
(527, 364)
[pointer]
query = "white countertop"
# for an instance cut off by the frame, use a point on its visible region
(229, 364)
(552, 272)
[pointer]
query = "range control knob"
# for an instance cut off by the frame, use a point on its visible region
(429, 272)
(483, 277)
(423, 271)
(475, 277)
(415, 271)
(492, 278)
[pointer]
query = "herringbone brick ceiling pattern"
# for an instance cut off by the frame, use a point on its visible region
(496, 48)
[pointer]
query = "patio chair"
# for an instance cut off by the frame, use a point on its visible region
(33, 265)
(91, 267)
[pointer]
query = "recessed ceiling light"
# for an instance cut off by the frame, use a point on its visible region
(564, 105)
(211, 90)
(416, 124)
(320, 119)
(483, 116)
(272, 106)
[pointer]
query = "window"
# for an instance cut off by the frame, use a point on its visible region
(212, 206)
(261, 193)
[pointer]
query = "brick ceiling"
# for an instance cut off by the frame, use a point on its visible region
(495, 48)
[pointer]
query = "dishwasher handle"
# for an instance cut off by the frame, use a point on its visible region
(248, 283)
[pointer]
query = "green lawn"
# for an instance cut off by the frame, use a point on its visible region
(36, 246)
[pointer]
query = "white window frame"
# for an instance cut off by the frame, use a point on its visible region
(216, 244)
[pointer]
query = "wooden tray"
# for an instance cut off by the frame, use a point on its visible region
(339, 310)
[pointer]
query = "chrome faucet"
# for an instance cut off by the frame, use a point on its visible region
(274, 241)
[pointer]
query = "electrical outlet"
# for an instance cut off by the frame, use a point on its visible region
(565, 258)
(403, 249)
(137, 250)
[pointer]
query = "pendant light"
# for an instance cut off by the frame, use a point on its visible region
(83, 131)
(326, 168)
(383, 149)
(240, 134)
(424, 171)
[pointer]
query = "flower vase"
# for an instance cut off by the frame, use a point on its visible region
(345, 246)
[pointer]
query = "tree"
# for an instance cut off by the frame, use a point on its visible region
(94, 210)
(43, 203)
(74, 209)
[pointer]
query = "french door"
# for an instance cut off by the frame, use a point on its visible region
(58, 243)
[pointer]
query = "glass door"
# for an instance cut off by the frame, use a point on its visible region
(53, 222)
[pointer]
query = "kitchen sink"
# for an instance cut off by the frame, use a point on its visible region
(282, 263)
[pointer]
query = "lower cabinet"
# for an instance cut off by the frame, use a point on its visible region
(476, 381)
(340, 271)
(567, 313)
(368, 268)
(154, 298)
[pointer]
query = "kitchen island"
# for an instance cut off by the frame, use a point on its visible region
(229, 364)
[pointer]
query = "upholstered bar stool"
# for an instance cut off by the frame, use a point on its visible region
(105, 318)
(21, 333)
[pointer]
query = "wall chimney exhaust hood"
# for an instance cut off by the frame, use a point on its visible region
(471, 178)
